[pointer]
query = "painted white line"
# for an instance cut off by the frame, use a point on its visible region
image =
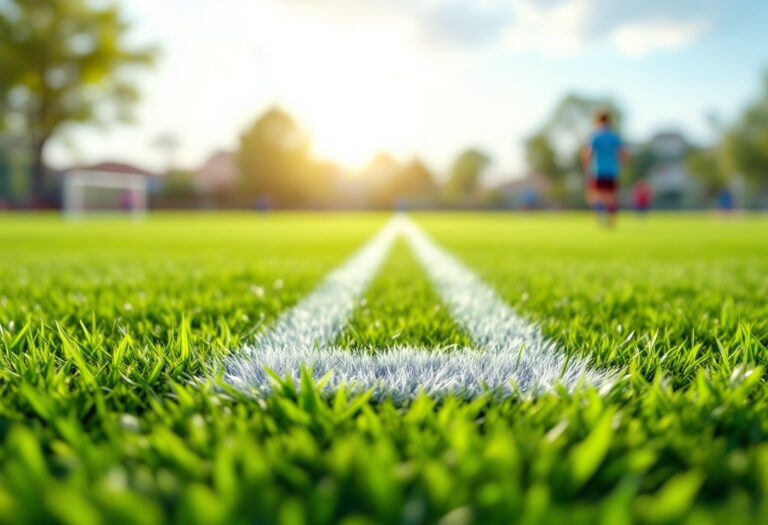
(531, 361)
(400, 372)
(317, 320)
(512, 354)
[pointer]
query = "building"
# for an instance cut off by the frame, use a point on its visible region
(672, 184)
(219, 174)
(529, 192)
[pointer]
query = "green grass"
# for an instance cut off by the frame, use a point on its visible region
(400, 308)
(106, 324)
(675, 294)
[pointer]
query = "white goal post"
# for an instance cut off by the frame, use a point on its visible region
(104, 191)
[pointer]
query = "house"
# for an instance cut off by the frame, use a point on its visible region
(219, 174)
(672, 184)
(529, 192)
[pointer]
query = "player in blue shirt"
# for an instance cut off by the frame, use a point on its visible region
(602, 158)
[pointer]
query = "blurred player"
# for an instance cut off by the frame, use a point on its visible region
(725, 201)
(602, 159)
(642, 194)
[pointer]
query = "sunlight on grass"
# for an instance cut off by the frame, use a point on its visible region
(103, 326)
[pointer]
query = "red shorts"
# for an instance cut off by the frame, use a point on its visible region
(603, 184)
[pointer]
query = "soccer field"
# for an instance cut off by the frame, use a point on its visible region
(451, 368)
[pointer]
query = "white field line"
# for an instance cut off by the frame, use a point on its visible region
(519, 350)
(318, 319)
(512, 355)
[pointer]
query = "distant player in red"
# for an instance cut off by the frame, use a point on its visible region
(602, 159)
(641, 196)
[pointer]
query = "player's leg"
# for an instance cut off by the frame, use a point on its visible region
(600, 210)
(611, 201)
(596, 199)
(589, 192)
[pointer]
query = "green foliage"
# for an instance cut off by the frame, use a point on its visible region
(569, 127)
(63, 62)
(275, 163)
(555, 150)
(741, 151)
(179, 188)
(574, 116)
(466, 172)
(706, 165)
(390, 184)
(105, 325)
(541, 157)
(415, 181)
(640, 164)
(385, 319)
(745, 145)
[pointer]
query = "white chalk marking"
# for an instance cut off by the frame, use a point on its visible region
(319, 318)
(511, 356)
(531, 361)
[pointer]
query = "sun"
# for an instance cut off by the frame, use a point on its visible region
(351, 127)
(351, 93)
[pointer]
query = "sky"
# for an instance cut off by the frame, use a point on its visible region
(425, 78)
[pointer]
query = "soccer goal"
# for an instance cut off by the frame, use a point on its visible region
(87, 191)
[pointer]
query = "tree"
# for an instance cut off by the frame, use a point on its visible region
(541, 156)
(554, 150)
(412, 182)
(415, 180)
(275, 162)
(180, 188)
(378, 176)
(466, 172)
(745, 145)
(705, 165)
(571, 122)
(641, 163)
(63, 62)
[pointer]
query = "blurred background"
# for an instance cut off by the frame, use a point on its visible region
(377, 104)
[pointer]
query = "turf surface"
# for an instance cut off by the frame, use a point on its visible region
(107, 324)
(400, 308)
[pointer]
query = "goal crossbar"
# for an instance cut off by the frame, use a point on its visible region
(76, 182)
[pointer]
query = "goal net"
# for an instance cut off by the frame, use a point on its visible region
(87, 191)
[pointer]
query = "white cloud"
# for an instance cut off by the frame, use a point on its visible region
(637, 39)
(557, 30)
(571, 27)
(376, 74)
(554, 28)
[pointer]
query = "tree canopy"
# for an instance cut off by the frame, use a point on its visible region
(541, 156)
(63, 62)
(554, 150)
(572, 120)
(706, 165)
(742, 151)
(745, 145)
(276, 165)
(466, 172)
(412, 183)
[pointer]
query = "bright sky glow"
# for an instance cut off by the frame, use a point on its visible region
(426, 77)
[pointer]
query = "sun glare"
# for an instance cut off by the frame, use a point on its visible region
(349, 126)
(350, 92)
